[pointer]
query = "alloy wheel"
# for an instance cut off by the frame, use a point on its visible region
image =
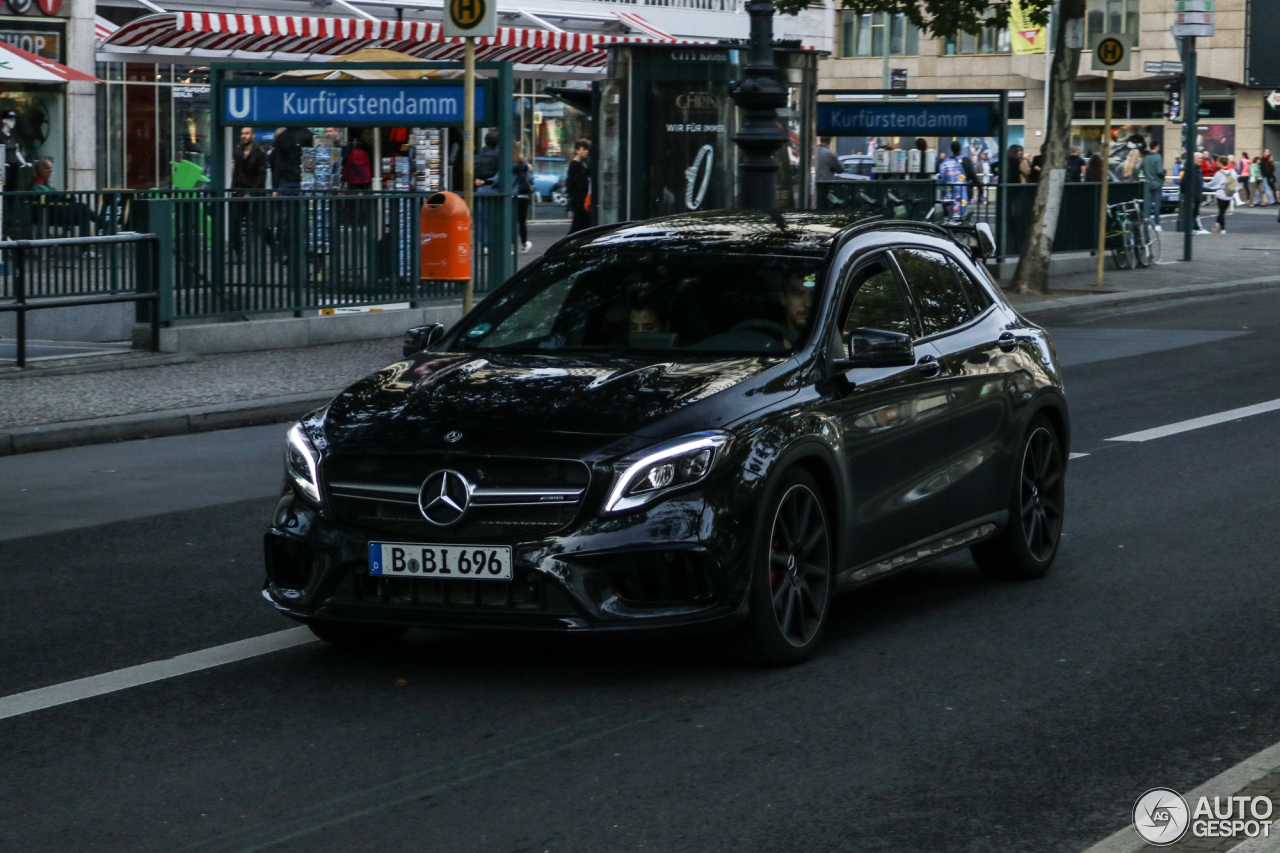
(1042, 494)
(799, 565)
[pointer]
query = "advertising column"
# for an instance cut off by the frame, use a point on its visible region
(689, 138)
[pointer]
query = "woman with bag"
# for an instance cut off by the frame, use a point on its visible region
(1223, 185)
(524, 195)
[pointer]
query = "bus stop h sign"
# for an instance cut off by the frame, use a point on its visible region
(1111, 52)
(470, 18)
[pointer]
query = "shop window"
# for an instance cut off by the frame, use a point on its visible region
(1111, 16)
(1218, 108)
(992, 39)
(1082, 109)
(867, 35)
(1017, 110)
(1149, 109)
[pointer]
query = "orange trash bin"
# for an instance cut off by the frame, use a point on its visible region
(446, 238)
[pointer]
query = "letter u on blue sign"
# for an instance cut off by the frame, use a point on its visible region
(240, 102)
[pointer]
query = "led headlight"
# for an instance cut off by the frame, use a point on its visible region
(302, 464)
(665, 467)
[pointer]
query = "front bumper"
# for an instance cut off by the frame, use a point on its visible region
(681, 562)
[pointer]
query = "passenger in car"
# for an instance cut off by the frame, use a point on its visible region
(648, 320)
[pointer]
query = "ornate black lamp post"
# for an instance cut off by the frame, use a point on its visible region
(759, 95)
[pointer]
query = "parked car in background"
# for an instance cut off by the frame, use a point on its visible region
(548, 179)
(857, 167)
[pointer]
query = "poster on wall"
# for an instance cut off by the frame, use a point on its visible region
(1216, 139)
(688, 144)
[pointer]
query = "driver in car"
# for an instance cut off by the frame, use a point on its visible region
(796, 296)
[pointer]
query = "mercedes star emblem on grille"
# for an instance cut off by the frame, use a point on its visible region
(444, 497)
(453, 436)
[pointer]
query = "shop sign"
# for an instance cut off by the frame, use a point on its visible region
(396, 105)
(46, 45)
(901, 120)
(1273, 100)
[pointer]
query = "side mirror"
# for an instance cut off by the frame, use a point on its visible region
(420, 338)
(986, 240)
(877, 348)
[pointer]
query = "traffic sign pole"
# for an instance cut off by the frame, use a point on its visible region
(1106, 170)
(1190, 121)
(469, 153)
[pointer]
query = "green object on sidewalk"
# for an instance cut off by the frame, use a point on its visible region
(187, 175)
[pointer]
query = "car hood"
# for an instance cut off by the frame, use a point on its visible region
(419, 401)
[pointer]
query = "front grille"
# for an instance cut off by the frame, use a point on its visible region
(379, 492)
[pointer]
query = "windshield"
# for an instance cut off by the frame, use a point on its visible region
(653, 300)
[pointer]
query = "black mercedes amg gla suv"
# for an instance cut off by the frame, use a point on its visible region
(714, 419)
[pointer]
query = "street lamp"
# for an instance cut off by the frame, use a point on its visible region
(759, 95)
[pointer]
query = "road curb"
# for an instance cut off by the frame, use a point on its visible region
(241, 413)
(1131, 297)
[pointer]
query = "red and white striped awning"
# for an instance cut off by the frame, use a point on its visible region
(291, 37)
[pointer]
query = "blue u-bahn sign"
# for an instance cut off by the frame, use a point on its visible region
(347, 104)
(880, 119)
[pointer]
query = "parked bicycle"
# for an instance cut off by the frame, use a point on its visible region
(1133, 241)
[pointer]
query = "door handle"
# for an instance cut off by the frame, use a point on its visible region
(928, 366)
(1008, 341)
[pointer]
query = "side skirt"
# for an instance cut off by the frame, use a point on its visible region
(951, 540)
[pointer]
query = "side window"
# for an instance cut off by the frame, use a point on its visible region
(875, 301)
(938, 295)
(978, 298)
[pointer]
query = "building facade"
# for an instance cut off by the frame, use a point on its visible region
(1238, 120)
(153, 106)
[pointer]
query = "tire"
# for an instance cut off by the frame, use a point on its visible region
(1125, 254)
(1155, 252)
(791, 582)
(356, 635)
(1143, 232)
(1027, 546)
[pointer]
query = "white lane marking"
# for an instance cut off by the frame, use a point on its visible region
(145, 673)
(1076, 455)
(1197, 423)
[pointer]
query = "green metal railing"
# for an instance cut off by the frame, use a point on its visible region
(247, 253)
(1077, 221)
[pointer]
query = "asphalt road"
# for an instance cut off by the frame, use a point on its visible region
(945, 712)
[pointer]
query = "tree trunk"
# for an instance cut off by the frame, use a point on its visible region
(1032, 273)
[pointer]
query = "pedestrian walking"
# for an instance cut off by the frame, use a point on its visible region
(1193, 187)
(1013, 169)
(1151, 173)
(577, 185)
(1246, 175)
(1132, 161)
(248, 172)
(485, 165)
(524, 195)
(1223, 187)
(1093, 172)
(984, 176)
(952, 173)
(1261, 189)
(1269, 175)
(970, 171)
(828, 164)
(1075, 166)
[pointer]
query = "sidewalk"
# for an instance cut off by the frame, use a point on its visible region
(1249, 250)
(57, 406)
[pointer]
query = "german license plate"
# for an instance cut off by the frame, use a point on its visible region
(457, 562)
